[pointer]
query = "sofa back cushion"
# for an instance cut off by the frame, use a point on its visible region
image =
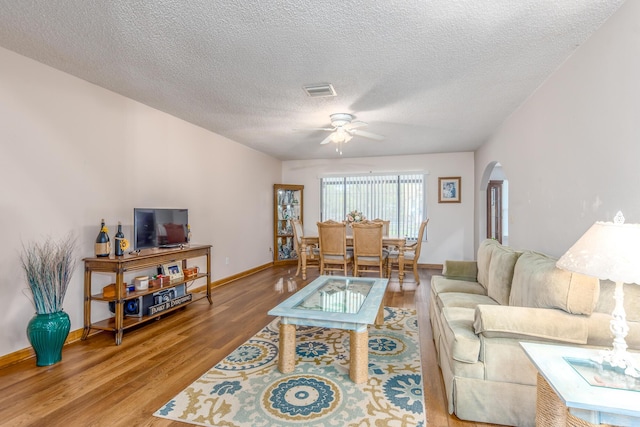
(631, 302)
(484, 259)
(503, 262)
(537, 282)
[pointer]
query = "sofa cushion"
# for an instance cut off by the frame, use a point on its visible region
(463, 343)
(440, 284)
(631, 293)
(484, 259)
(503, 321)
(460, 270)
(537, 282)
(600, 332)
(503, 262)
(460, 299)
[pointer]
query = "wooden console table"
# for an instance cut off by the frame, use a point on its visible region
(151, 258)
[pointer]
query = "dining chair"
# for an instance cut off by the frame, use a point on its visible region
(312, 252)
(334, 255)
(367, 248)
(385, 225)
(385, 230)
(411, 254)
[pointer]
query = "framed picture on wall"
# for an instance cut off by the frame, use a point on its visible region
(449, 189)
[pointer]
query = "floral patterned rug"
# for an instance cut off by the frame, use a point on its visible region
(247, 389)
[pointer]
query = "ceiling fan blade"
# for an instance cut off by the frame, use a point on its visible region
(367, 134)
(326, 140)
(355, 125)
(327, 129)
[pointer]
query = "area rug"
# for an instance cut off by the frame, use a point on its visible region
(247, 389)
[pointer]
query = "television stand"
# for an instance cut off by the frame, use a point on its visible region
(130, 262)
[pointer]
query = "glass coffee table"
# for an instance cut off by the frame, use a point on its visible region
(350, 303)
(593, 397)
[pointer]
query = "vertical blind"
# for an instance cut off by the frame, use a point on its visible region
(398, 198)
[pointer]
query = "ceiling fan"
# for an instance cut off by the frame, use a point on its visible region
(343, 128)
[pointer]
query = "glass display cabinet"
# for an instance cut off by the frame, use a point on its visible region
(287, 205)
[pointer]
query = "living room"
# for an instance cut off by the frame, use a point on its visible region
(75, 153)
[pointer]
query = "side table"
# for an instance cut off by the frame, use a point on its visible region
(583, 404)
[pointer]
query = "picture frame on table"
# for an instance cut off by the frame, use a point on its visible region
(173, 270)
(449, 189)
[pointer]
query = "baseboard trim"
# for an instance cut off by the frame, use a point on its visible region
(235, 277)
(431, 266)
(28, 353)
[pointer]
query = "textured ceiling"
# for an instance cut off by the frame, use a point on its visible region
(431, 75)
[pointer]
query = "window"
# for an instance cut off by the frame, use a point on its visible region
(398, 198)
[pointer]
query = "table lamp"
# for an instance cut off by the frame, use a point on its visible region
(610, 251)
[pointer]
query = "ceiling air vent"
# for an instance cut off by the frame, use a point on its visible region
(319, 90)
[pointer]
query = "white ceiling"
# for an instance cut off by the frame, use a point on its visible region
(431, 75)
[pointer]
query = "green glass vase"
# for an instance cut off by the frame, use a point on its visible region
(47, 334)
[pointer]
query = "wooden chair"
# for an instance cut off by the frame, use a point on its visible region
(334, 255)
(385, 225)
(312, 252)
(411, 254)
(385, 230)
(367, 248)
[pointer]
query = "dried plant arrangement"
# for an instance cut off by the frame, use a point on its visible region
(49, 266)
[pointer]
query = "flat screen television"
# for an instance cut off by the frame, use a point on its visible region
(159, 228)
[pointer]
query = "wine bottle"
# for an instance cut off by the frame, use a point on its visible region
(118, 241)
(103, 245)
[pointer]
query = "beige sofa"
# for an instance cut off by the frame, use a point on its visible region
(481, 310)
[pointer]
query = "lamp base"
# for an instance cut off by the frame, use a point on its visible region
(619, 357)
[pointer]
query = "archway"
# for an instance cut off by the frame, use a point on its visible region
(494, 204)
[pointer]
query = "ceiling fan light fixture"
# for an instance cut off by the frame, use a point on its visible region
(340, 135)
(319, 90)
(337, 137)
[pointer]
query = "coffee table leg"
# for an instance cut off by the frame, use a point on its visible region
(359, 354)
(380, 316)
(287, 348)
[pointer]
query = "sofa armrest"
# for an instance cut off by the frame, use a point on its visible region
(460, 270)
(522, 323)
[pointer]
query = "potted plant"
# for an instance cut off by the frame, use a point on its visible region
(48, 267)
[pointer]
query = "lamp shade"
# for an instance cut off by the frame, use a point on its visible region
(608, 251)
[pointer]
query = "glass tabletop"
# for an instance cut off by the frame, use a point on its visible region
(339, 295)
(553, 362)
(601, 375)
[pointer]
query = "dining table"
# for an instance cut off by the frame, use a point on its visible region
(399, 243)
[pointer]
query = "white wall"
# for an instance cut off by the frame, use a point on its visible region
(571, 152)
(450, 230)
(73, 153)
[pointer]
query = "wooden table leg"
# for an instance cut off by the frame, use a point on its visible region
(287, 348)
(87, 303)
(303, 259)
(359, 355)
(119, 311)
(401, 267)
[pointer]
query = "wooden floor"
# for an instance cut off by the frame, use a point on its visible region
(101, 384)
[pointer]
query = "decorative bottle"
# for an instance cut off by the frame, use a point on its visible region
(119, 244)
(103, 245)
